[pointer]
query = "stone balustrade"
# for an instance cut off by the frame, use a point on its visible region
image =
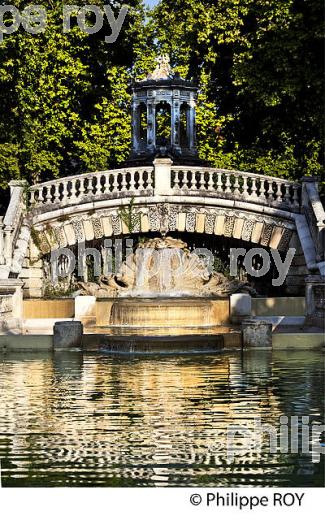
(11, 223)
(162, 183)
(237, 185)
(165, 179)
(107, 184)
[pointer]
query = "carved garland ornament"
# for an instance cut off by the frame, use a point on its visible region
(266, 234)
(190, 222)
(116, 224)
(209, 223)
(78, 230)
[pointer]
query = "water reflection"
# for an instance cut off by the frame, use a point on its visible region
(69, 419)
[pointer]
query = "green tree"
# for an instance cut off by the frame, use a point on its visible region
(64, 97)
(259, 66)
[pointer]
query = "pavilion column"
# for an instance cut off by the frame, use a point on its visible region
(175, 125)
(151, 129)
(191, 134)
(135, 127)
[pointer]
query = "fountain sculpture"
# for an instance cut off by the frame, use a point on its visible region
(164, 289)
(164, 268)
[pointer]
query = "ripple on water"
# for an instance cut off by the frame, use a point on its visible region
(74, 420)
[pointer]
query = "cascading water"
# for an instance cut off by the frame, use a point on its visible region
(164, 267)
(157, 272)
(163, 289)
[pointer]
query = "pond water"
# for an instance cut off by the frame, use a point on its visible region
(78, 419)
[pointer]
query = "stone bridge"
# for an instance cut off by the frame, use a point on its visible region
(257, 209)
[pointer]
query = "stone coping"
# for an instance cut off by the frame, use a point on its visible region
(10, 285)
(44, 343)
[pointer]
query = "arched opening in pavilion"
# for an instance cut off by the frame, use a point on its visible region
(163, 124)
(184, 122)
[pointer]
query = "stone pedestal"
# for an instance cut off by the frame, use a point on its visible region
(163, 176)
(240, 307)
(67, 335)
(315, 301)
(11, 306)
(257, 334)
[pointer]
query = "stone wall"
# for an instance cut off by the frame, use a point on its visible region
(42, 309)
(279, 306)
(295, 281)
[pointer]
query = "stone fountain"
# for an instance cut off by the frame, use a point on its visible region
(163, 285)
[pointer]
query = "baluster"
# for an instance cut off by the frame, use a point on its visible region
(56, 194)
(295, 195)
(228, 184)
(253, 188)
(73, 193)
(141, 180)
(149, 180)
(202, 180)
(262, 190)
(115, 182)
(278, 192)
(192, 185)
(132, 180)
(32, 200)
(271, 193)
(210, 181)
(91, 190)
(236, 186)
(245, 186)
(65, 192)
(82, 188)
(48, 195)
(287, 193)
(176, 180)
(123, 184)
(219, 182)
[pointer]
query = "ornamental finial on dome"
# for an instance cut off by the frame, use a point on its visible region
(163, 69)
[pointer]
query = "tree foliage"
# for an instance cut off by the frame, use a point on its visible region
(64, 97)
(259, 66)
